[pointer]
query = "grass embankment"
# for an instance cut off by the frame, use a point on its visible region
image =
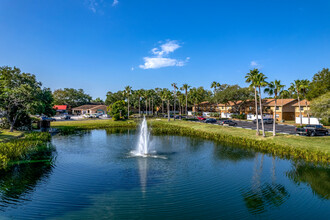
(32, 146)
(5, 135)
(289, 146)
(67, 127)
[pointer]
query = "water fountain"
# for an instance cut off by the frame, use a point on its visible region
(143, 143)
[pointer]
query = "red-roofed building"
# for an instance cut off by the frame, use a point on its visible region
(61, 109)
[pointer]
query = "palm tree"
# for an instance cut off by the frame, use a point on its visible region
(167, 96)
(250, 78)
(128, 93)
(139, 93)
(174, 94)
(214, 86)
(304, 88)
(260, 81)
(296, 87)
(146, 96)
(274, 88)
(185, 87)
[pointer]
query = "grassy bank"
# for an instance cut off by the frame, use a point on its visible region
(289, 146)
(67, 127)
(32, 146)
(5, 135)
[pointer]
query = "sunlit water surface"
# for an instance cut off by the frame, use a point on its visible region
(94, 176)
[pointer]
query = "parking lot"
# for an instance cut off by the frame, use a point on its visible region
(280, 128)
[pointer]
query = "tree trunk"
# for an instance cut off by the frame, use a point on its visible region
(152, 108)
(149, 106)
(174, 109)
(139, 106)
(256, 106)
(274, 123)
(163, 106)
(300, 116)
(186, 103)
(168, 110)
(262, 118)
(146, 106)
(128, 107)
(307, 112)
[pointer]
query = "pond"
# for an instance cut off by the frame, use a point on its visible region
(93, 175)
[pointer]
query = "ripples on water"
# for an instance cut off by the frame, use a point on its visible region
(93, 177)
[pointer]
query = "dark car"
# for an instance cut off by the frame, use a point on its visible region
(210, 120)
(165, 116)
(44, 118)
(266, 121)
(228, 122)
(179, 117)
(312, 130)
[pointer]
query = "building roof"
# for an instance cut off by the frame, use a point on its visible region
(302, 103)
(90, 107)
(280, 102)
(60, 107)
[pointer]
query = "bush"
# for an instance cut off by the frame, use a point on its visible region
(241, 116)
(116, 117)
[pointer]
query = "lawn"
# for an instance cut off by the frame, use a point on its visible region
(6, 136)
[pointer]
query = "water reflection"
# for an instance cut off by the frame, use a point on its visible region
(21, 180)
(317, 177)
(143, 170)
(234, 154)
(264, 196)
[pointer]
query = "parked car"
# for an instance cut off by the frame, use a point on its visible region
(210, 120)
(45, 118)
(65, 117)
(171, 116)
(201, 118)
(228, 122)
(266, 121)
(179, 117)
(312, 130)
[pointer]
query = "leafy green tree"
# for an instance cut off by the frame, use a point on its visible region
(215, 85)
(98, 100)
(250, 78)
(320, 108)
(114, 97)
(71, 97)
(19, 93)
(320, 84)
(44, 106)
(274, 88)
(185, 88)
(175, 87)
(167, 96)
(118, 109)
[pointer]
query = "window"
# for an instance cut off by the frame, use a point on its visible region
(277, 116)
(277, 108)
(302, 108)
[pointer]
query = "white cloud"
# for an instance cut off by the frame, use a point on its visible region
(92, 4)
(160, 60)
(132, 68)
(255, 64)
(115, 2)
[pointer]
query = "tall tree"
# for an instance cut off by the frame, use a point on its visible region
(250, 78)
(320, 84)
(128, 90)
(167, 96)
(215, 85)
(185, 87)
(296, 87)
(260, 81)
(274, 88)
(175, 87)
(19, 94)
(71, 97)
(139, 94)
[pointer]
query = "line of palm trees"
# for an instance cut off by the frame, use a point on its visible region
(257, 80)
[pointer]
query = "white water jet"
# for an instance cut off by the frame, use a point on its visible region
(143, 144)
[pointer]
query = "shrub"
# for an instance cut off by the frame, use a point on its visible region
(116, 117)
(241, 116)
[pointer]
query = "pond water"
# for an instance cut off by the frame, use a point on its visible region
(94, 176)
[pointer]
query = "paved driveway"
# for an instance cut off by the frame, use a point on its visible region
(286, 129)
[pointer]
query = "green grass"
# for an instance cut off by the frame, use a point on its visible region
(308, 148)
(5, 135)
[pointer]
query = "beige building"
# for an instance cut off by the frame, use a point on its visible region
(89, 109)
(304, 109)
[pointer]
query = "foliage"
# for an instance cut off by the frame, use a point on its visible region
(320, 84)
(241, 116)
(114, 97)
(320, 108)
(32, 147)
(118, 108)
(71, 97)
(98, 101)
(116, 117)
(21, 93)
(45, 104)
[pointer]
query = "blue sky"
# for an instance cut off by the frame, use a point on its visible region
(102, 45)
